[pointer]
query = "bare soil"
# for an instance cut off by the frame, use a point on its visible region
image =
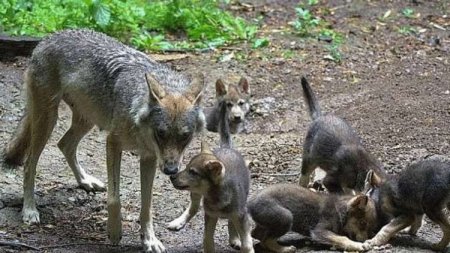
(394, 89)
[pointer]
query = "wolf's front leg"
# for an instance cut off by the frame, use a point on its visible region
(149, 241)
(187, 215)
(243, 228)
(113, 158)
(208, 237)
(389, 230)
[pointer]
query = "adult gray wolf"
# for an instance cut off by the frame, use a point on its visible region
(143, 105)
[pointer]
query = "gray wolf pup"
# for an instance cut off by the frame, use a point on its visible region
(422, 188)
(144, 106)
(328, 219)
(237, 98)
(223, 180)
(333, 145)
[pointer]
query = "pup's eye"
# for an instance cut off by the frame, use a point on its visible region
(241, 103)
(229, 104)
(193, 172)
(160, 133)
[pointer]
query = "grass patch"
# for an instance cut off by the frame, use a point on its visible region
(148, 25)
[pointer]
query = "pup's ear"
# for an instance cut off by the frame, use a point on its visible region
(216, 168)
(157, 92)
(205, 148)
(372, 180)
(359, 202)
(221, 88)
(194, 94)
(244, 86)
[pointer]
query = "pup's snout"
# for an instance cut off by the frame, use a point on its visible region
(170, 168)
(173, 177)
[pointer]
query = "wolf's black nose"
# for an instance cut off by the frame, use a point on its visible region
(170, 169)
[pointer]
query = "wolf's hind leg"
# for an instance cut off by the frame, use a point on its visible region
(68, 145)
(440, 218)
(43, 113)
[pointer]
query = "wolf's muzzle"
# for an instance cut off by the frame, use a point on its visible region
(170, 168)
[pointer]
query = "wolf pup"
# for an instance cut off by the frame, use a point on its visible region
(422, 188)
(144, 106)
(328, 219)
(237, 99)
(334, 146)
(222, 179)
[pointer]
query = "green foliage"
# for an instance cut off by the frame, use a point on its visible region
(142, 23)
(408, 12)
(305, 21)
(261, 42)
(407, 30)
(334, 53)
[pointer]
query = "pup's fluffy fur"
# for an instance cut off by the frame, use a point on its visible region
(223, 180)
(422, 188)
(333, 145)
(328, 219)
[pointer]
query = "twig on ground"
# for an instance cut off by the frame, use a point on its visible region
(277, 174)
(17, 245)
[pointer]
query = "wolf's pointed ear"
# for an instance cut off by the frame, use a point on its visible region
(221, 88)
(194, 94)
(157, 92)
(372, 180)
(216, 168)
(205, 148)
(244, 86)
(359, 202)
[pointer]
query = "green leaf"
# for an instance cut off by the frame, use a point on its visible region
(262, 42)
(102, 14)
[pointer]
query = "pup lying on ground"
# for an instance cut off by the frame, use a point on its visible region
(237, 99)
(223, 180)
(328, 219)
(422, 188)
(334, 146)
(144, 106)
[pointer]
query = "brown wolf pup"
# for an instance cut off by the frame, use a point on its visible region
(333, 145)
(238, 105)
(328, 219)
(422, 188)
(223, 180)
(143, 105)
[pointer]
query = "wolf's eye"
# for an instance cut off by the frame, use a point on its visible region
(241, 103)
(160, 133)
(193, 172)
(229, 104)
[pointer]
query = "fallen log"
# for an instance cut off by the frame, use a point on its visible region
(11, 46)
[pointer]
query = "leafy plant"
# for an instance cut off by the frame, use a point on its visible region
(334, 53)
(407, 30)
(149, 25)
(408, 12)
(261, 42)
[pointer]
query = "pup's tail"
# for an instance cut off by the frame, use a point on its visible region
(311, 100)
(16, 150)
(224, 127)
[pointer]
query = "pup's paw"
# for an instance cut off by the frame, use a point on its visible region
(355, 246)
(367, 245)
(92, 184)
(235, 243)
(288, 249)
(30, 216)
(177, 224)
(152, 245)
(114, 231)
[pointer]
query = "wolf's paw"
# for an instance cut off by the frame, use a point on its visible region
(367, 245)
(177, 224)
(114, 231)
(152, 245)
(30, 216)
(288, 249)
(92, 184)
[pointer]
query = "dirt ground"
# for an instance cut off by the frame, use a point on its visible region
(394, 89)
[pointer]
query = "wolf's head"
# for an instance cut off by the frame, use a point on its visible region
(361, 218)
(171, 121)
(237, 99)
(202, 172)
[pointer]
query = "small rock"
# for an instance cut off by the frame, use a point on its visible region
(71, 199)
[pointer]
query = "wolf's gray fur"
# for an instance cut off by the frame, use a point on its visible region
(422, 188)
(333, 145)
(224, 188)
(329, 219)
(142, 104)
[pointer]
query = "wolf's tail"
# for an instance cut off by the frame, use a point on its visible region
(311, 100)
(16, 150)
(224, 127)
